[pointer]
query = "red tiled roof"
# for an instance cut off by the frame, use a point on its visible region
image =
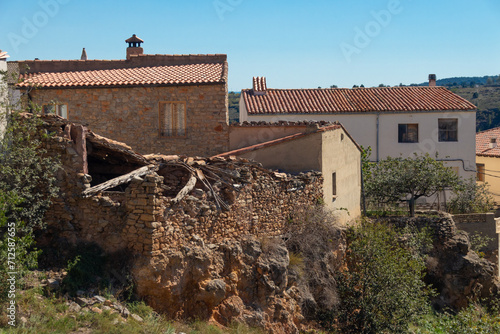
(344, 100)
(155, 75)
(483, 140)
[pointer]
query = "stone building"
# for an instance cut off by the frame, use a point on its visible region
(190, 227)
(169, 104)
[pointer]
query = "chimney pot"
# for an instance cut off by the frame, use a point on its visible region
(134, 46)
(432, 80)
(493, 142)
(84, 55)
(259, 85)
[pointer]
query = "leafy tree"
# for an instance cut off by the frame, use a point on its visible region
(381, 286)
(27, 185)
(394, 180)
(471, 197)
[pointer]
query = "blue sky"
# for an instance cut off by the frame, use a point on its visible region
(295, 44)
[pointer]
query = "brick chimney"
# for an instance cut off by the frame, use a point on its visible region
(259, 86)
(432, 80)
(493, 142)
(84, 55)
(134, 46)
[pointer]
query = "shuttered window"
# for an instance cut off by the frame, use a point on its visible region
(58, 109)
(172, 119)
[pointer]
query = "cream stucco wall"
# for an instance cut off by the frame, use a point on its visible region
(329, 152)
(244, 136)
(294, 156)
(363, 128)
(342, 157)
(492, 174)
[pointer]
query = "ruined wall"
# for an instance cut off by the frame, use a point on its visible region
(210, 254)
(483, 223)
(131, 115)
(145, 218)
(262, 206)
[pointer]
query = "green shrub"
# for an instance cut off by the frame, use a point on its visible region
(479, 241)
(381, 288)
(471, 197)
(27, 186)
(85, 269)
(475, 319)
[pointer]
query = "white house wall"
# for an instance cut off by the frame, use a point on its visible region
(363, 128)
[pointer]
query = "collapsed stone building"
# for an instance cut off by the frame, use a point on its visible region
(190, 225)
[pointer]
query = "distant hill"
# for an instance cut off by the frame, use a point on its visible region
(487, 100)
(234, 99)
(466, 81)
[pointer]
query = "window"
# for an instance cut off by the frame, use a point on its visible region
(408, 133)
(334, 186)
(58, 109)
(480, 172)
(172, 119)
(448, 129)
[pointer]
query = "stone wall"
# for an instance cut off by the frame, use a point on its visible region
(208, 254)
(483, 223)
(131, 115)
(145, 218)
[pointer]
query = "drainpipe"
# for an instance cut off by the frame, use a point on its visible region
(463, 164)
(377, 139)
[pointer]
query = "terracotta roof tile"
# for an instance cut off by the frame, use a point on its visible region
(155, 75)
(344, 100)
(483, 141)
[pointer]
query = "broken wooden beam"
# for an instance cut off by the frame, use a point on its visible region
(119, 180)
(186, 190)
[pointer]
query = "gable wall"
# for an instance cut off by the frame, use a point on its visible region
(342, 157)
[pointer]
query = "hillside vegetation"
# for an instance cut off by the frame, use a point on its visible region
(487, 100)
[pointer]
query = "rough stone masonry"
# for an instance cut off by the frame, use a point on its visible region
(156, 207)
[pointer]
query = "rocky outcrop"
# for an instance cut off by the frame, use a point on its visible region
(455, 271)
(244, 281)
